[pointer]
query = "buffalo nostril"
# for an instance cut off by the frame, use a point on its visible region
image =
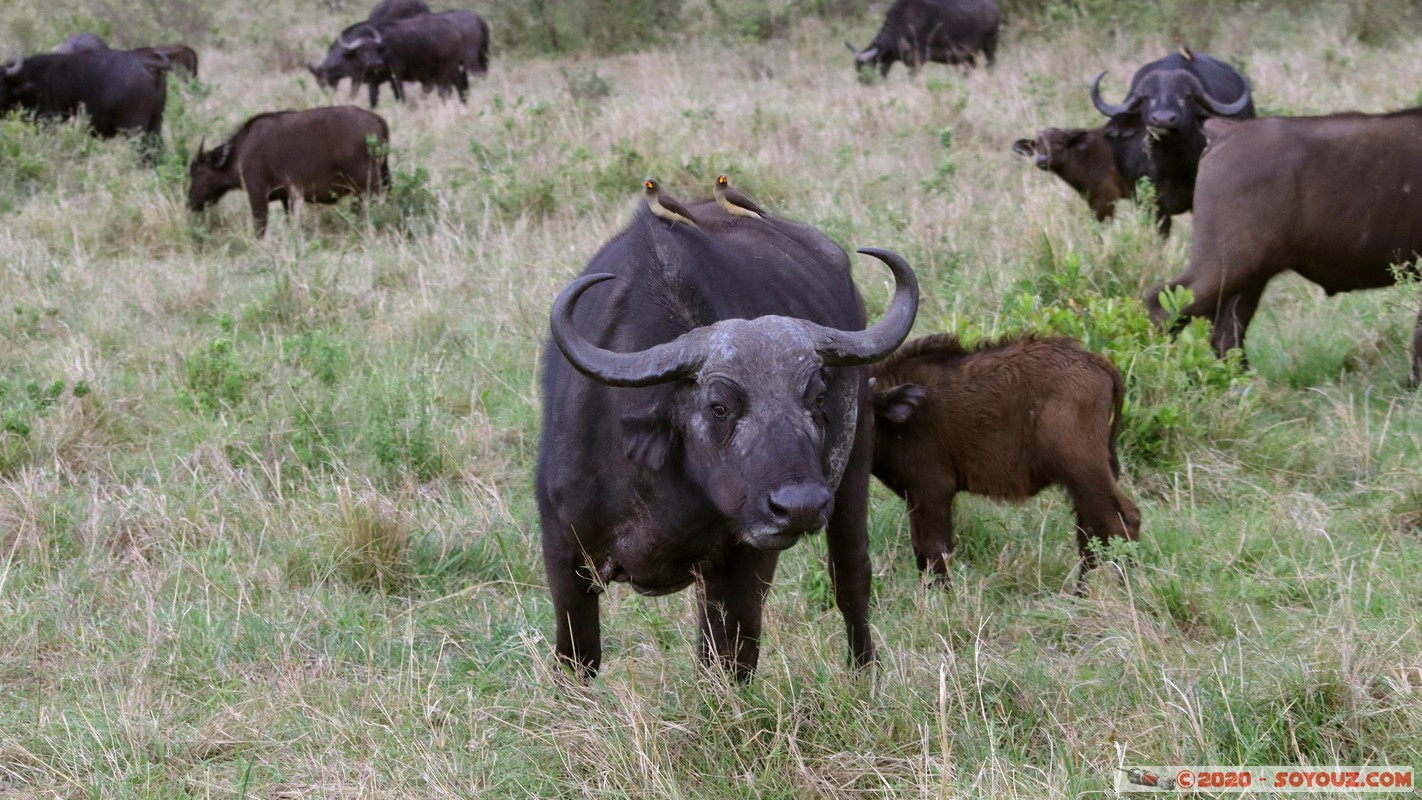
(799, 506)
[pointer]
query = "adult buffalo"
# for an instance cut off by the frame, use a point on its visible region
(121, 92)
(82, 43)
(474, 32)
(339, 63)
(319, 155)
(1336, 199)
(391, 10)
(1159, 122)
(163, 55)
(428, 49)
(702, 411)
(919, 31)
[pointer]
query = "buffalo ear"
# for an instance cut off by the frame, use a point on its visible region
(224, 154)
(898, 404)
(649, 441)
(1078, 139)
(1025, 147)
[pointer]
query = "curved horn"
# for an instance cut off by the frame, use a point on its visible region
(341, 40)
(1104, 107)
(14, 69)
(659, 364)
(376, 33)
(201, 142)
(851, 348)
(852, 48)
(1225, 109)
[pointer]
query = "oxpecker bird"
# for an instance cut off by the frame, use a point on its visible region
(735, 203)
(666, 206)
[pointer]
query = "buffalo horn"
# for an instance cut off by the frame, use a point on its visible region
(1104, 107)
(341, 40)
(852, 48)
(14, 69)
(201, 142)
(376, 33)
(852, 348)
(678, 358)
(1225, 109)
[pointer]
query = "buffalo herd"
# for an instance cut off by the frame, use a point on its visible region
(712, 392)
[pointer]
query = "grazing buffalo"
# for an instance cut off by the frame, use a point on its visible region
(1005, 420)
(164, 55)
(119, 90)
(319, 155)
(338, 65)
(1337, 199)
(82, 43)
(475, 33)
(919, 31)
(1160, 122)
(428, 49)
(702, 411)
(178, 55)
(391, 10)
(1085, 159)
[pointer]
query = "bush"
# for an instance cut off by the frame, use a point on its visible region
(1177, 390)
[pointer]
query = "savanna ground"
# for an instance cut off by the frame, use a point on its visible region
(266, 520)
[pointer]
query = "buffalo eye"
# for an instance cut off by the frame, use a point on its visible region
(719, 410)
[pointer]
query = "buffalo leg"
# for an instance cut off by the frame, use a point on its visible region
(374, 88)
(461, 83)
(398, 87)
(1417, 351)
(259, 200)
(731, 603)
(575, 606)
(931, 530)
(847, 538)
(1103, 512)
(1233, 318)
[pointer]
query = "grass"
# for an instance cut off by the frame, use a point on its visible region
(266, 524)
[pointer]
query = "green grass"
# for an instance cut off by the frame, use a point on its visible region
(266, 516)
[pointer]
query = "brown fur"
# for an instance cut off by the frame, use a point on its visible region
(1005, 420)
(318, 155)
(1084, 159)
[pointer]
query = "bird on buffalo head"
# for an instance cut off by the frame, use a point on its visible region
(666, 206)
(735, 203)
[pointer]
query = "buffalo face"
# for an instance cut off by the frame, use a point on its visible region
(1169, 102)
(749, 430)
(1053, 147)
(211, 174)
(748, 419)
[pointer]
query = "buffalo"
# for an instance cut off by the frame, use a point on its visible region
(336, 66)
(1085, 159)
(1334, 198)
(919, 31)
(474, 32)
(1004, 420)
(122, 92)
(1159, 122)
(164, 55)
(429, 49)
(82, 43)
(703, 410)
(319, 155)
(392, 10)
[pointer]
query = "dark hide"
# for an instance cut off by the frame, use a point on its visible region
(1160, 123)
(392, 10)
(427, 49)
(338, 66)
(475, 33)
(1337, 199)
(120, 91)
(319, 155)
(1085, 159)
(178, 56)
(1005, 420)
(82, 43)
(919, 31)
(706, 477)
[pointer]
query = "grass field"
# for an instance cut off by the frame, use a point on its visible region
(266, 517)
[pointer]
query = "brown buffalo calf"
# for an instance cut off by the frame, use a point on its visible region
(1085, 159)
(1005, 420)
